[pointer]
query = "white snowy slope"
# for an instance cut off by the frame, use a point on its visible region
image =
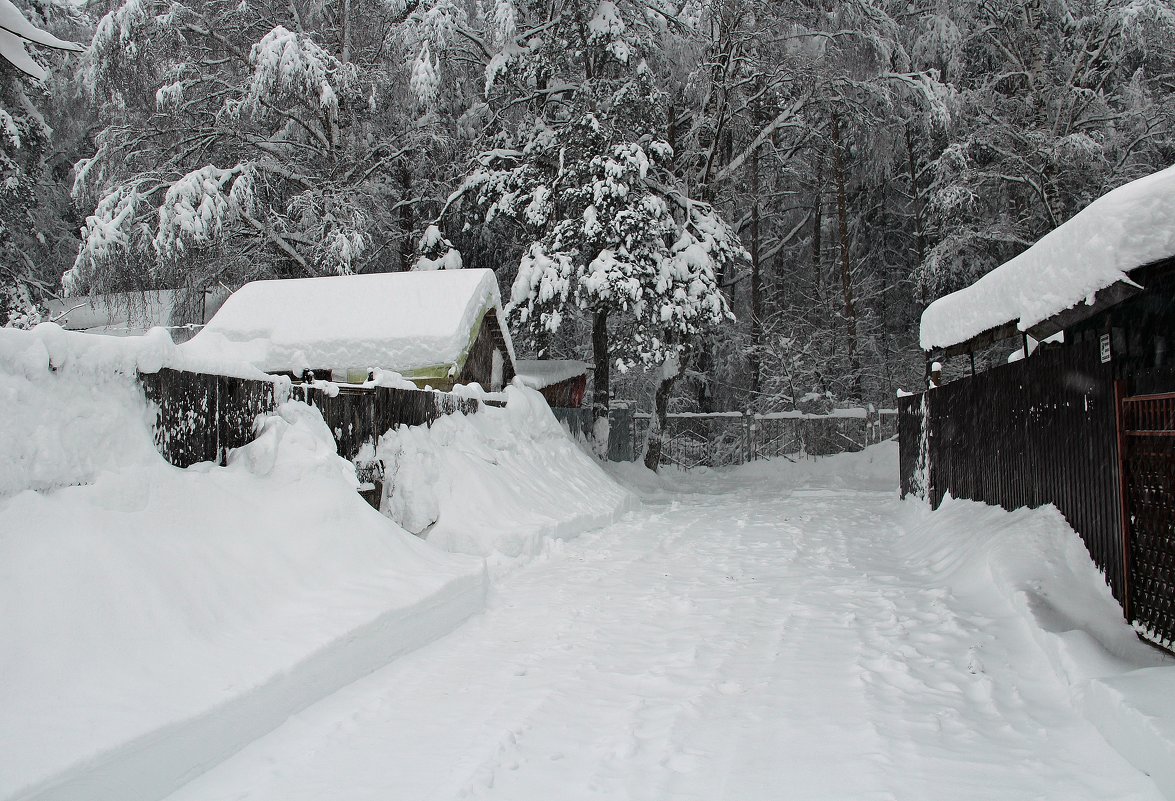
(402, 321)
(67, 426)
(154, 620)
(502, 483)
(1129, 227)
(774, 632)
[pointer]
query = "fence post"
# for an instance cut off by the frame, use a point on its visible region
(749, 452)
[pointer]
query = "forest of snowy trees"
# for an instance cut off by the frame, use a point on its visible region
(748, 201)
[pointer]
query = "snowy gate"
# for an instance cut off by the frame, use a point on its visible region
(1148, 464)
(731, 438)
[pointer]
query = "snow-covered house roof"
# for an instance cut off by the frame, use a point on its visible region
(1130, 227)
(421, 324)
(542, 373)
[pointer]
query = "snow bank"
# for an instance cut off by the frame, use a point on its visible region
(72, 406)
(1129, 227)
(155, 620)
(31, 353)
(1037, 564)
(59, 429)
(404, 321)
(498, 483)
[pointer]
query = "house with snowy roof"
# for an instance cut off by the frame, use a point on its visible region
(1107, 270)
(1088, 424)
(435, 328)
(562, 382)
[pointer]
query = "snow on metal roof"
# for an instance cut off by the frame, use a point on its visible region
(407, 321)
(542, 373)
(1132, 226)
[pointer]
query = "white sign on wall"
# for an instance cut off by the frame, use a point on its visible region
(1105, 348)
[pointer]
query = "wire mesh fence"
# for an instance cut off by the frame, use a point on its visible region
(731, 438)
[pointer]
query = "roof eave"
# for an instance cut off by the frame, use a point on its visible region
(1103, 299)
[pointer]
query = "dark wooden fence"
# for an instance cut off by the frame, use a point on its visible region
(358, 417)
(199, 417)
(1038, 431)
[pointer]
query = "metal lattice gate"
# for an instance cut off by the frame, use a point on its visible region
(1147, 430)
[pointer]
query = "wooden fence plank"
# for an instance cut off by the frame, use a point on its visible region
(1037, 431)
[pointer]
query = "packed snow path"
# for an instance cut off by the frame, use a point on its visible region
(739, 639)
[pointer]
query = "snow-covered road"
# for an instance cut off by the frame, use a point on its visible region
(740, 638)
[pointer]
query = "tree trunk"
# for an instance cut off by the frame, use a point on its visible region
(705, 392)
(600, 400)
(671, 370)
(816, 318)
(407, 219)
(916, 205)
(846, 277)
(756, 285)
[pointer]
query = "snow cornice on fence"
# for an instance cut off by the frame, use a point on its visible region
(49, 347)
(1083, 266)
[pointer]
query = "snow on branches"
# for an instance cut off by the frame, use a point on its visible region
(16, 33)
(436, 252)
(197, 207)
(288, 67)
(268, 141)
(607, 237)
(115, 227)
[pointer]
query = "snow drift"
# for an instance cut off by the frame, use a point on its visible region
(1032, 563)
(499, 483)
(154, 620)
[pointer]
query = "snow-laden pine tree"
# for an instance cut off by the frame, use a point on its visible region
(243, 140)
(1059, 103)
(31, 223)
(581, 169)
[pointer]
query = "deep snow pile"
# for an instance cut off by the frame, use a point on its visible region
(154, 620)
(1129, 227)
(71, 404)
(776, 631)
(1037, 564)
(498, 483)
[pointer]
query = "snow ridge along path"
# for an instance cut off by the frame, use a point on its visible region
(747, 635)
